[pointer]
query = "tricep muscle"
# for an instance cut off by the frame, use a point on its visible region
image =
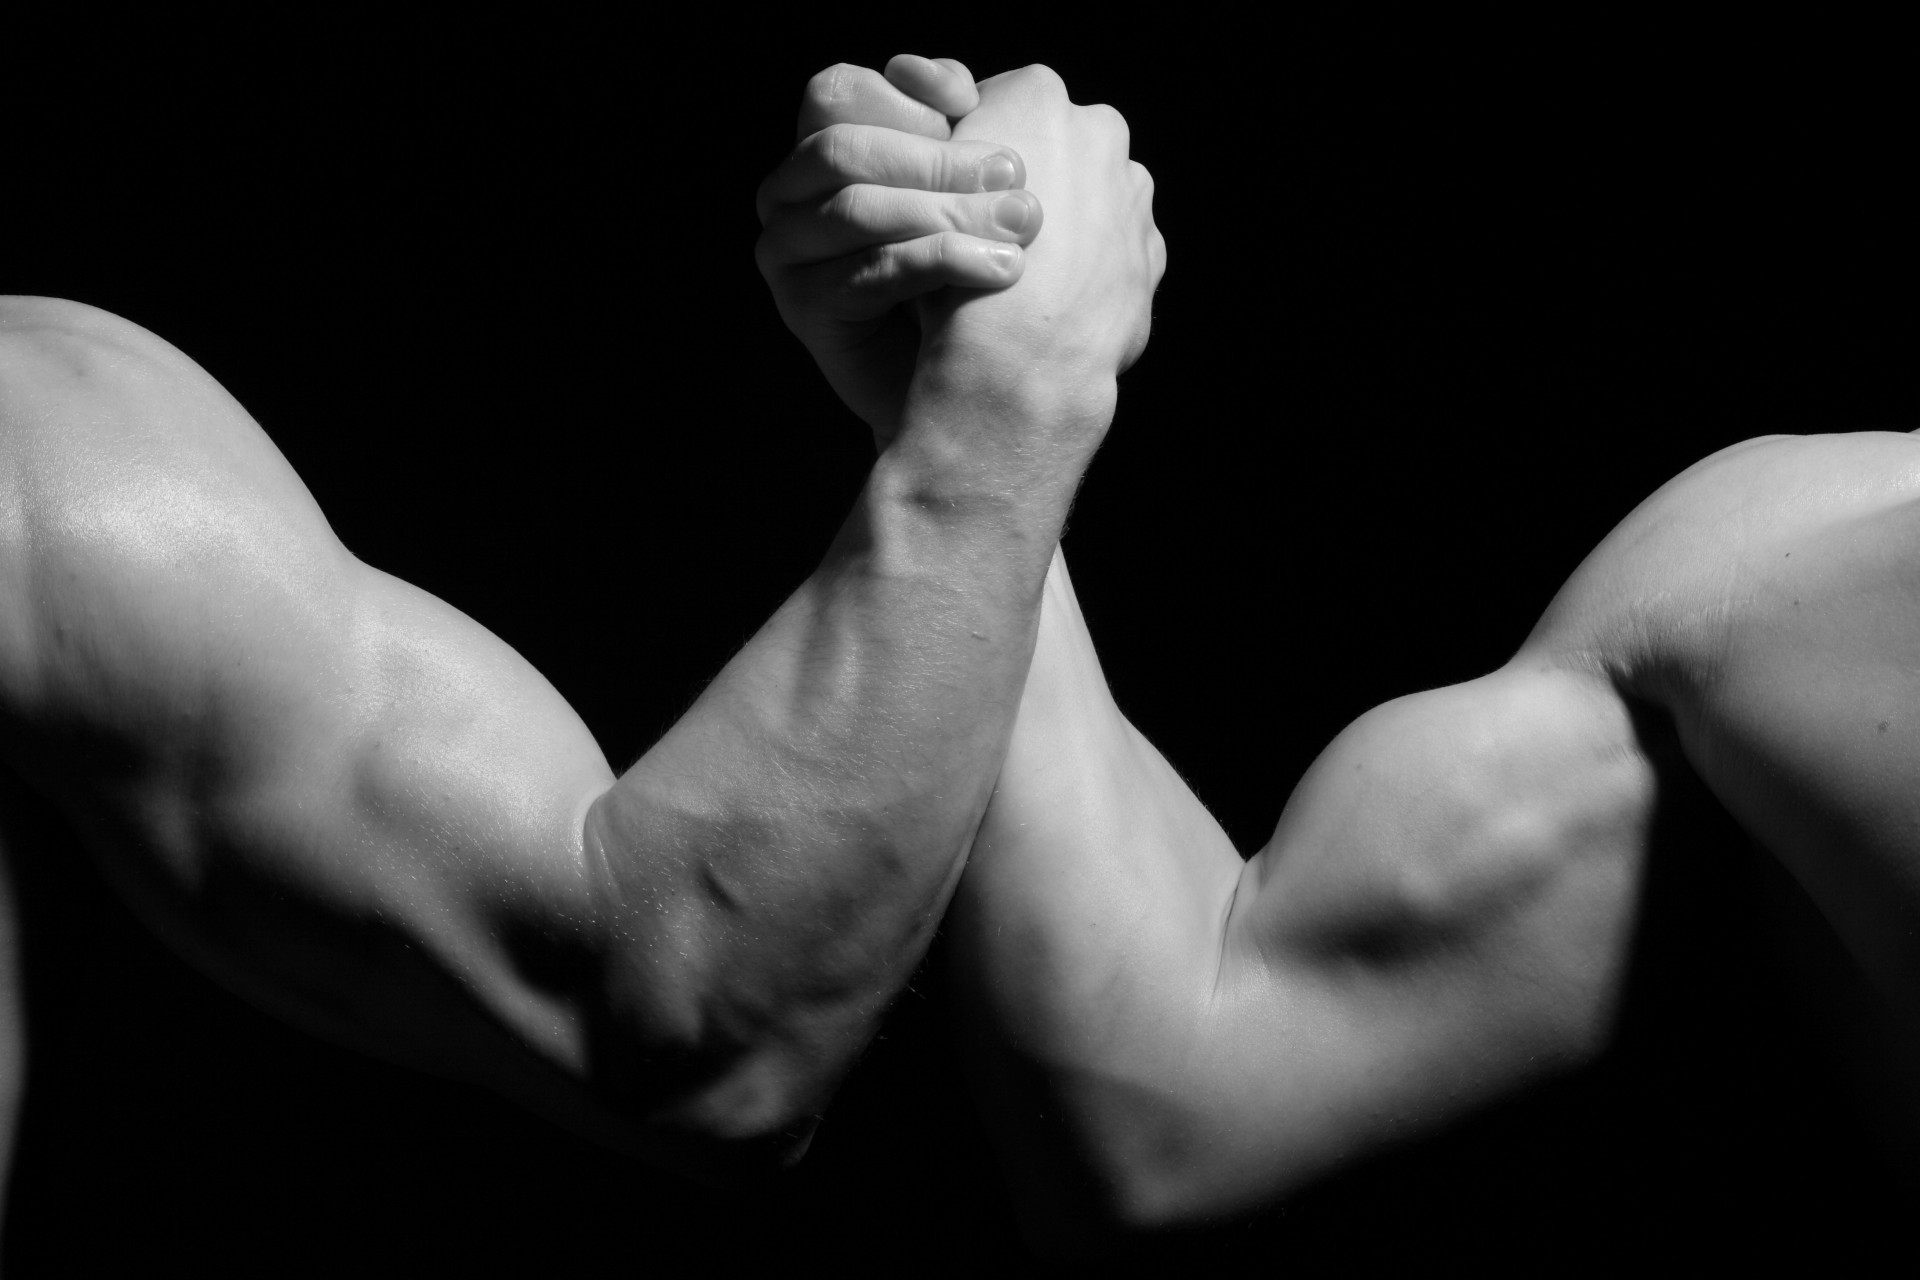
(338, 793)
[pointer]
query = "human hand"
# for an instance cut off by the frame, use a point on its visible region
(875, 207)
(1082, 311)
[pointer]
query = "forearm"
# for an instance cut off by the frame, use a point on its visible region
(1093, 845)
(776, 865)
(1084, 942)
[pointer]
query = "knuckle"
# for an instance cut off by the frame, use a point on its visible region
(818, 94)
(878, 266)
(956, 165)
(847, 205)
(813, 149)
(945, 254)
(829, 86)
(832, 146)
(1110, 120)
(842, 143)
(1040, 76)
(969, 213)
(849, 152)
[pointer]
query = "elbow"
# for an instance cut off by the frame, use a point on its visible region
(726, 1004)
(752, 1119)
(1118, 1209)
(1114, 1165)
(724, 1144)
(714, 1092)
(1135, 1207)
(741, 1119)
(1172, 1192)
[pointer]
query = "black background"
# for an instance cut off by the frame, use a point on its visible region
(1442, 306)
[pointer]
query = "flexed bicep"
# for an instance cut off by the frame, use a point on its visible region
(1164, 1035)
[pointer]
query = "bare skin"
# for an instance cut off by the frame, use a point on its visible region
(1165, 1034)
(365, 813)
(1444, 912)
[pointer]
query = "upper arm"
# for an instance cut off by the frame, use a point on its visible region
(1442, 914)
(1447, 904)
(1448, 901)
(310, 775)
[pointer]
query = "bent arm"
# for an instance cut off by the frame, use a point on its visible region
(1164, 1034)
(367, 813)
(1444, 910)
(798, 834)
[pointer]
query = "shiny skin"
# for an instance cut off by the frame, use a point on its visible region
(1164, 1034)
(1444, 912)
(363, 811)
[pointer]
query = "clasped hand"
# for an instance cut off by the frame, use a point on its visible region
(891, 237)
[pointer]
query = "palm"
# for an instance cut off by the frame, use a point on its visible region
(869, 361)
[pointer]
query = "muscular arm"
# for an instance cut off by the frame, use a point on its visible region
(1165, 1034)
(361, 809)
(1441, 914)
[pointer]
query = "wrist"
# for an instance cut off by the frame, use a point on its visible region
(966, 477)
(998, 411)
(987, 448)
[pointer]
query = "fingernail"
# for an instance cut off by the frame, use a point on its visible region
(1010, 214)
(1004, 256)
(996, 174)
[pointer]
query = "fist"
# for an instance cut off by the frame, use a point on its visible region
(1082, 308)
(877, 206)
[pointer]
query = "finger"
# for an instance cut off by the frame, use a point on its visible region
(869, 283)
(858, 217)
(846, 94)
(941, 83)
(844, 154)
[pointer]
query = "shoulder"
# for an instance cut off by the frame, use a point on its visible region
(98, 413)
(1657, 603)
(139, 502)
(102, 422)
(21, 313)
(54, 345)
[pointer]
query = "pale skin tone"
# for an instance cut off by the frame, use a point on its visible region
(1165, 1034)
(362, 811)
(1442, 913)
